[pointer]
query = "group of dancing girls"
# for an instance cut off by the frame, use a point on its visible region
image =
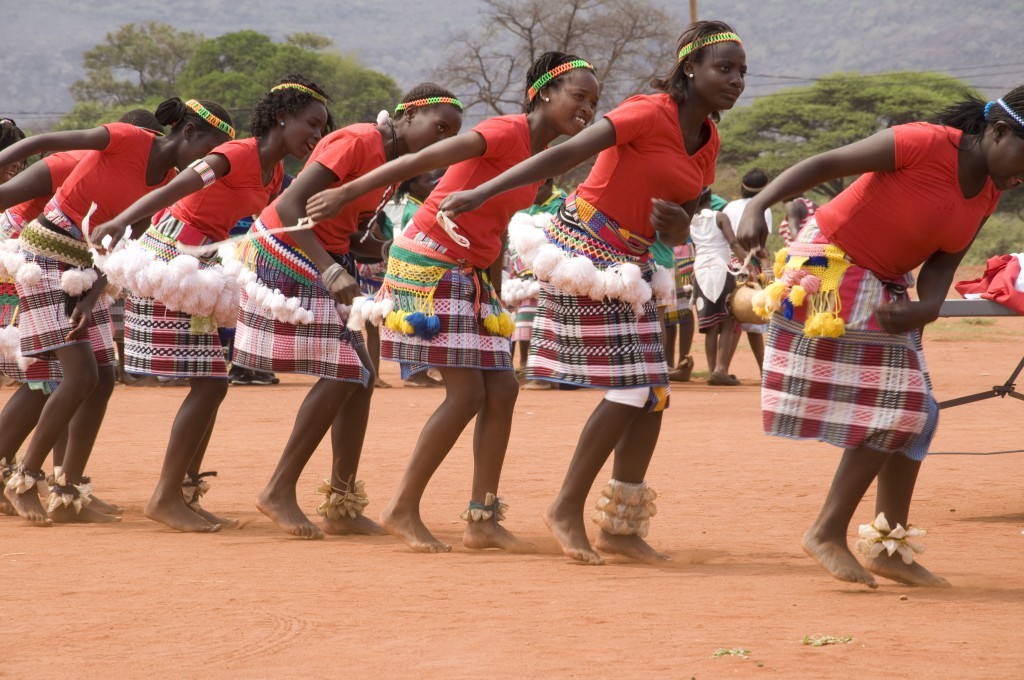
(596, 325)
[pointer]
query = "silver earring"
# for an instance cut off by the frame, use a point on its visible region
(689, 74)
(282, 122)
(547, 99)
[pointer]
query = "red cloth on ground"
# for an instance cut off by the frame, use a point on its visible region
(997, 283)
(113, 179)
(240, 193)
(349, 153)
(508, 143)
(60, 165)
(649, 160)
(891, 222)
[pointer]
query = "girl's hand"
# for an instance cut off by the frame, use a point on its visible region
(752, 229)
(671, 222)
(115, 231)
(80, 318)
(460, 202)
(904, 316)
(326, 204)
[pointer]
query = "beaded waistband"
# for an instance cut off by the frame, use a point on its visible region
(286, 258)
(572, 234)
(55, 216)
(162, 238)
(10, 225)
(601, 227)
(45, 242)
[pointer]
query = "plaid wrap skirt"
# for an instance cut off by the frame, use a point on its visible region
(866, 388)
(158, 341)
(581, 342)
(323, 348)
(463, 341)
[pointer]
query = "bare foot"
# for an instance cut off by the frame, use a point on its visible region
(177, 515)
(571, 535)
(6, 508)
(28, 506)
(224, 522)
(633, 547)
(284, 511)
(410, 528)
(487, 534)
(67, 514)
(106, 508)
(837, 560)
(361, 525)
(912, 574)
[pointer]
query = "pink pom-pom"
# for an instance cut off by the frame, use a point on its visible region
(811, 284)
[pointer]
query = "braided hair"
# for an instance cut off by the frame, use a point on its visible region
(175, 113)
(9, 133)
(676, 84)
(423, 91)
(544, 63)
(971, 115)
(289, 100)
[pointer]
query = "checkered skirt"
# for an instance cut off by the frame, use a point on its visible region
(323, 348)
(581, 342)
(43, 319)
(463, 341)
(525, 314)
(158, 341)
(867, 388)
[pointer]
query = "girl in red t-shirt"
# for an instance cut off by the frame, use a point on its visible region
(171, 320)
(844, 362)
(290, 316)
(62, 312)
(596, 323)
(438, 304)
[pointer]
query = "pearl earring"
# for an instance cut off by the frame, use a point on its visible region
(547, 99)
(689, 74)
(282, 122)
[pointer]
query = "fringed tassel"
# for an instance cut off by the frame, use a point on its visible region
(342, 503)
(22, 481)
(625, 509)
(195, 487)
(493, 508)
(64, 495)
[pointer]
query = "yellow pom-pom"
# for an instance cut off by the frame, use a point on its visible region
(758, 302)
(797, 294)
(406, 328)
(780, 256)
(492, 324)
(393, 320)
(776, 293)
(814, 326)
(506, 325)
(833, 327)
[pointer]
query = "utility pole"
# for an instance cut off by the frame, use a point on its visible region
(693, 11)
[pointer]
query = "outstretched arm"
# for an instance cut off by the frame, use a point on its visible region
(328, 203)
(96, 138)
(877, 153)
(554, 161)
(187, 182)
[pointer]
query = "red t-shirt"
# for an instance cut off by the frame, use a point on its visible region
(648, 161)
(508, 144)
(113, 179)
(240, 193)
(60, 165)
(349, 153)
(891, 222)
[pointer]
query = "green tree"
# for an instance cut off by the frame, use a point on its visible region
(135, 63)
(780, 129)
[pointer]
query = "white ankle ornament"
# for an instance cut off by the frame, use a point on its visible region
(340, 503)
(22, 480)
(493, 508)
(877, 536)
(626, 509)
(195, 487)
(63, 495)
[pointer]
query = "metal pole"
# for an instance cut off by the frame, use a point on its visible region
(693, 11)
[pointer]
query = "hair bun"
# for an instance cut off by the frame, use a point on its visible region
(171, 111)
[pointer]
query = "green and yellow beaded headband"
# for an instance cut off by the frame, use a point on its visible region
(303, 89)
(213, 120)
(697, 44)
(539, 84)
(428, 101)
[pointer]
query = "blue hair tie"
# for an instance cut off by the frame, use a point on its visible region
(988, 107)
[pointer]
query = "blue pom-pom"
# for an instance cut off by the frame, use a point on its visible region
(787, 308)
(433, 325)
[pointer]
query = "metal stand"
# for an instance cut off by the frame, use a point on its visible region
(1007, 389)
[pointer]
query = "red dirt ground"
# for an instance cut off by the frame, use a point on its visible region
(137, 599)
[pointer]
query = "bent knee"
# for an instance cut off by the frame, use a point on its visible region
(502, 390)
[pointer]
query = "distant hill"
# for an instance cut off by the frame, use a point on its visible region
(786, 40)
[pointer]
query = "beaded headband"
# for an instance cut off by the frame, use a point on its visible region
(428, 101)
(697, 44)
(213, 120)
(554, 73)
(751, 189)
(303, 89)
(1013, 114)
